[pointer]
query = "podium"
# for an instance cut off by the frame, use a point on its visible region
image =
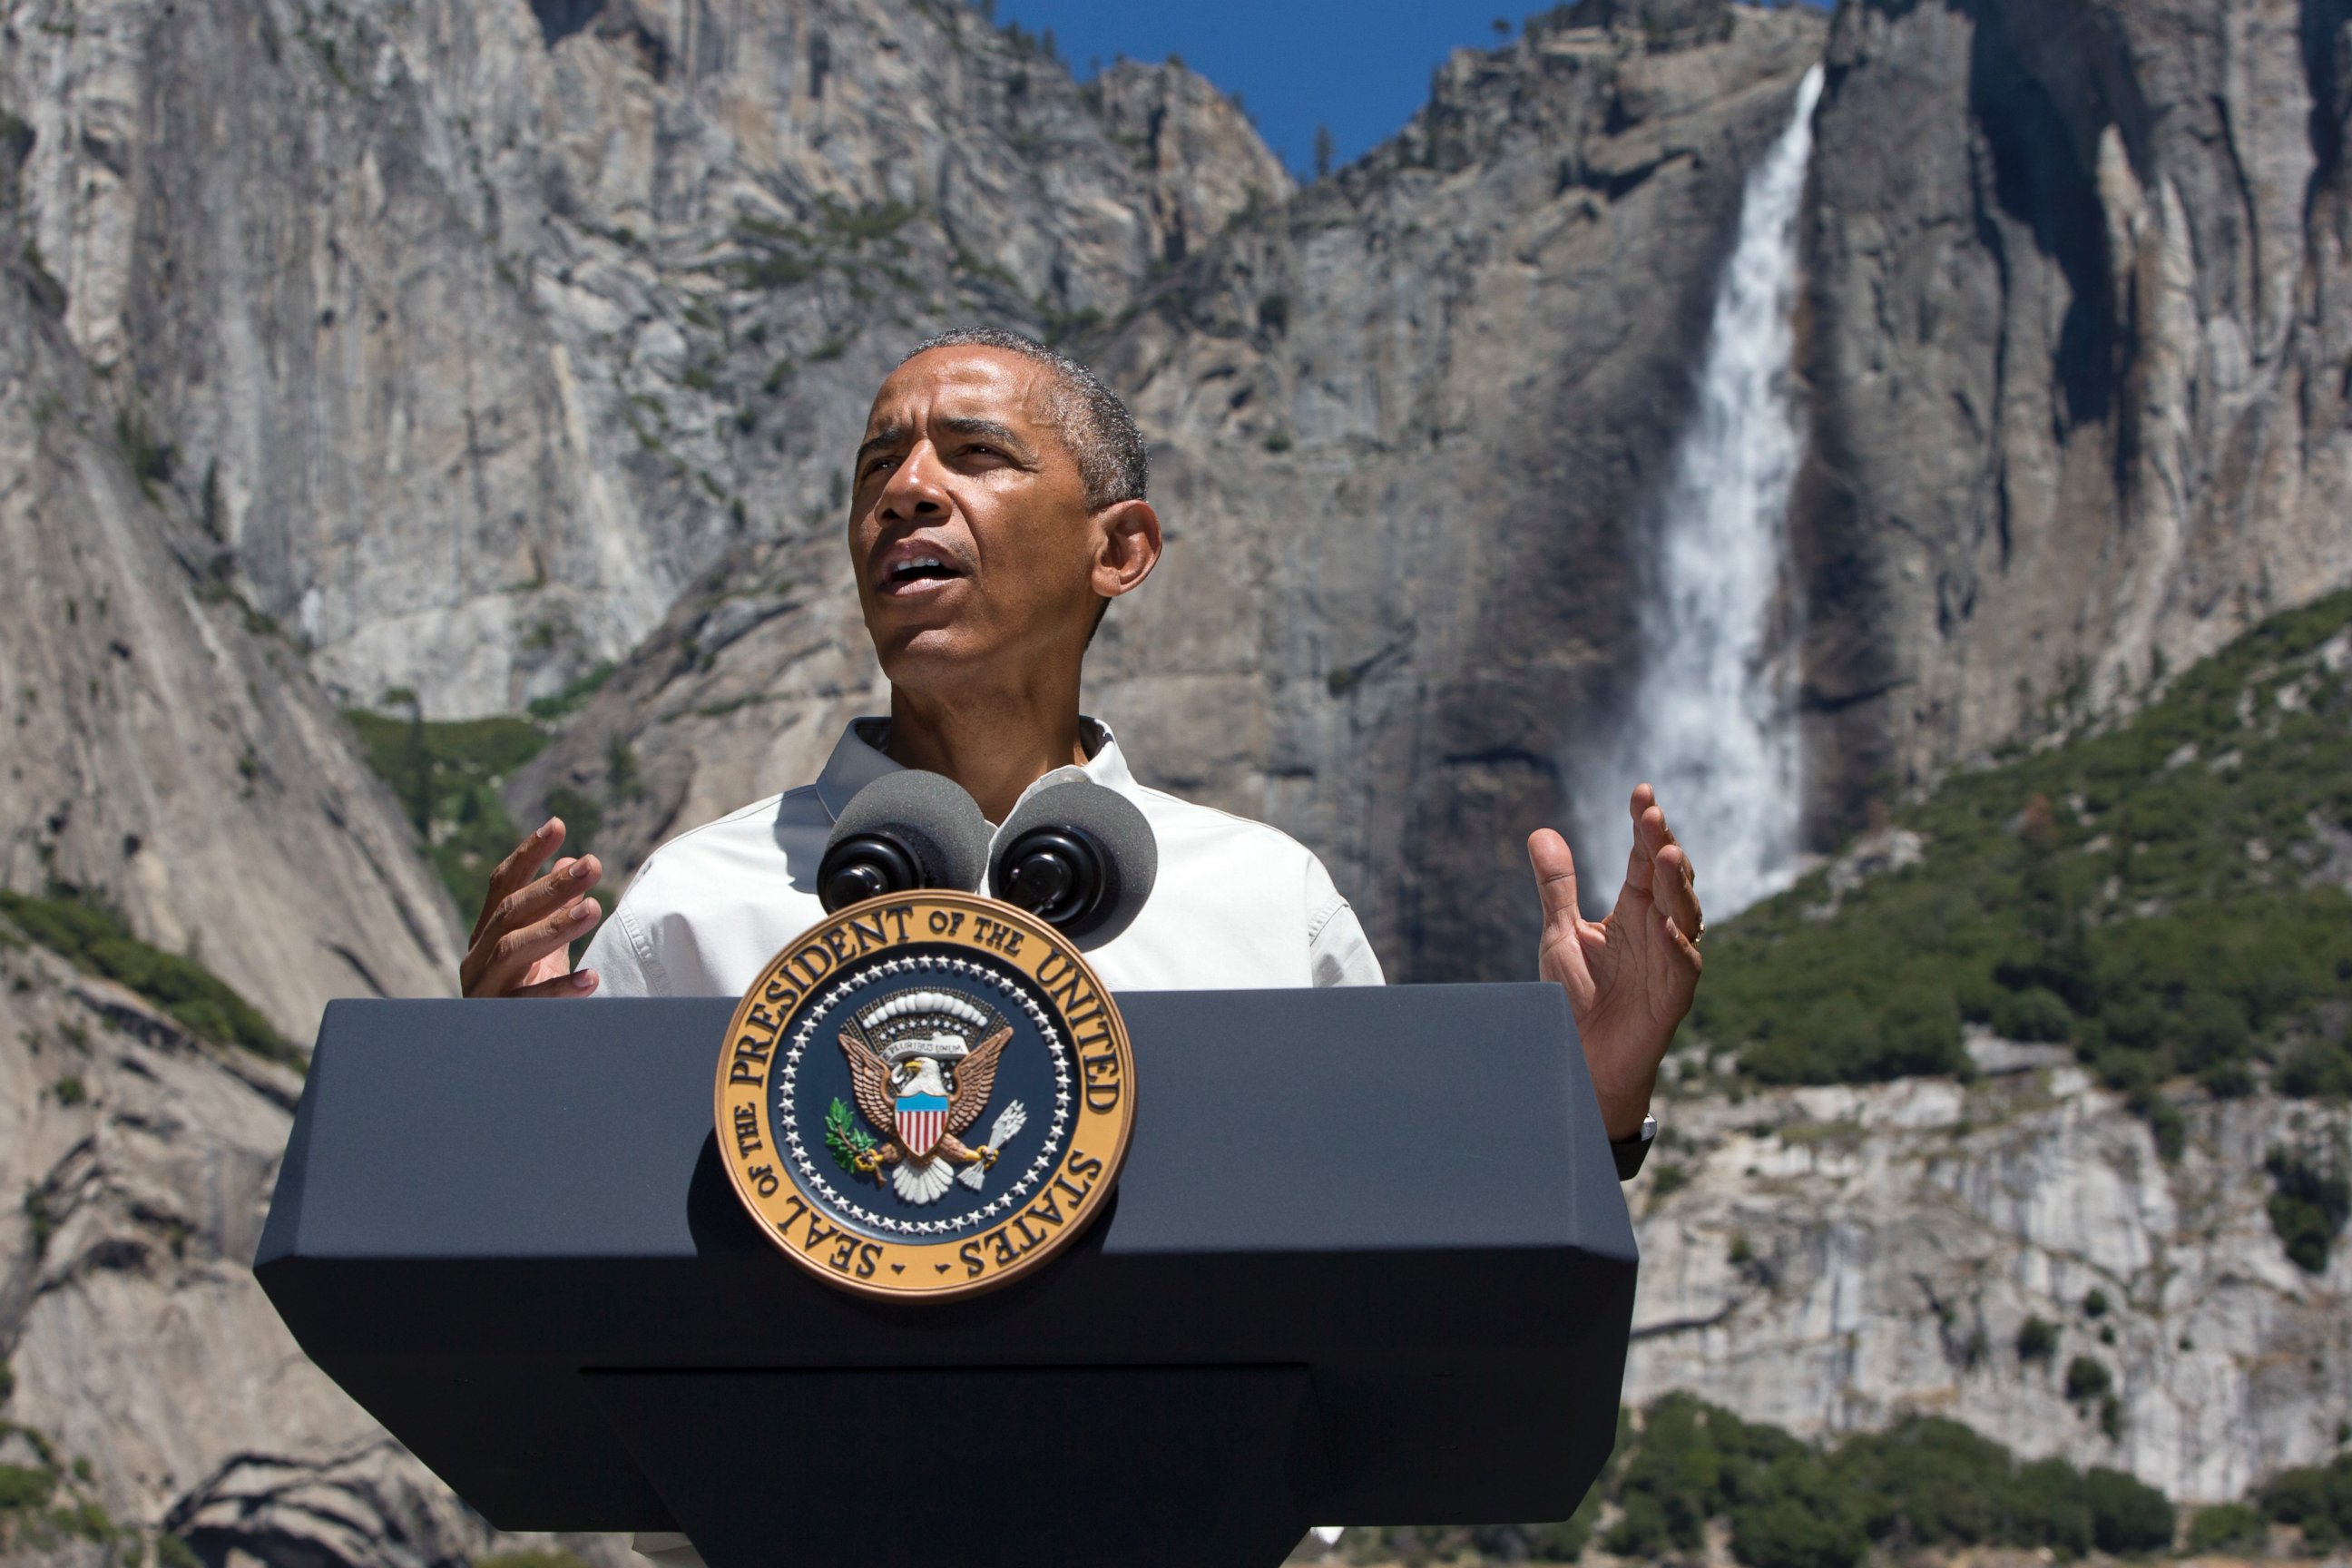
(1368, 1262)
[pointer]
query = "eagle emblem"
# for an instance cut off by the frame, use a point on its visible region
(922, 1064)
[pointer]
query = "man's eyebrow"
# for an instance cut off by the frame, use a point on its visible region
(988, 430)
(889, 436)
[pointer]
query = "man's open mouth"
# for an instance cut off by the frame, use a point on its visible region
(916, 574)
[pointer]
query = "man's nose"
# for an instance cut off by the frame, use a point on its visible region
(914, 490)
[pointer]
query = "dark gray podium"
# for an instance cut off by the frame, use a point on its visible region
(1369, 1263)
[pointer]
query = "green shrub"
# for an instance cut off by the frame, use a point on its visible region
(93, 939)
(2317, 1068)
(2316, 1498)
(2230, 1526)
(2227, 1080)
(879, 221)
(2094, 1304)
(2128, 1515)
(574, 697)
(23, 1488)
(1928, 1481)
(86, 1519)
(2036, 1340)
(2036, 1013)
(172, 1552)
(2087, 1379)
(2050, 1506)
(1795, 1532)
(2309, 1203)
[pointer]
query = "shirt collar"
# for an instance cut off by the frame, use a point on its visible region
(858, 760)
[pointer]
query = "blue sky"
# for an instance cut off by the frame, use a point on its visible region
(1360, 67)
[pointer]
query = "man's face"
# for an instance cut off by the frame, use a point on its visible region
(969, 526)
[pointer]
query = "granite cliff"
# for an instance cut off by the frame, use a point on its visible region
(2078, 332)
(1401, 428)
(148, 1370)
(2069, 357)
(1829, 1259)
(461, 348)
(485, 328)
(169, 756)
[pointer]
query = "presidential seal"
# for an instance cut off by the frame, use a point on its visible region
(924, 1095)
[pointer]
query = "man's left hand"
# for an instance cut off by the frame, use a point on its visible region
(1630, 978)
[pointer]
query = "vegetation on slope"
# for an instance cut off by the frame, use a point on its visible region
(95, 940)
(2166, 895)
(47, 1502)
(1786, 1503)
(2316, 1498)
(1688, 1468)
(447, 774)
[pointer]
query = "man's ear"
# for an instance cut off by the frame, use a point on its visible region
(1127, 547)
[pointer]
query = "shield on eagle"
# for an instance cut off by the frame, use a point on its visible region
(921, 1119)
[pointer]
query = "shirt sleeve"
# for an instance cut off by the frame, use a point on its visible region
(621, 956)
(1337, 953)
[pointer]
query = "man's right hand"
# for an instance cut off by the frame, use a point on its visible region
(521, 945)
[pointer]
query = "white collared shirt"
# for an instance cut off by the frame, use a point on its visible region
(1236, 904)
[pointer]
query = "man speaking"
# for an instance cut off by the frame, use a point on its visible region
(999, 507)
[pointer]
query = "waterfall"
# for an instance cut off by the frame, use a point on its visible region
(1712, 719)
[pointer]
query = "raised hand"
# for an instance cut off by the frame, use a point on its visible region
(1630, 978)
(522, 944)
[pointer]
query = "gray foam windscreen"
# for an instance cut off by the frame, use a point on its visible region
(932, 814)
(1114, 823)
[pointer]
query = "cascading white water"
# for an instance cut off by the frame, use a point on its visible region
(1711, 721)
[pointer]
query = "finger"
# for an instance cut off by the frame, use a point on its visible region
(511, 955)
(1644, 798)
(1642, 881)
(1650, 829)
(1555, 869)
(504, 963)
(1684, 949)
(568, 879)
(534, 902)
(578, 982)
(511, 873)
(1671, 891)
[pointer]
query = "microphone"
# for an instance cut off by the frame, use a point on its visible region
(906, 830)
(1079, 856)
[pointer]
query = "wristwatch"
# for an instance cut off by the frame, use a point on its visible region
(1629, 1152)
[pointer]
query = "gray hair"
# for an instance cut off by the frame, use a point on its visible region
(1088, 416)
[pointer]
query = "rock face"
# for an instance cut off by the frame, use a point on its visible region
(167, 754)
(485, 327)
(1839, 1257)
(2072, 341)
(128, 1313)
(460, 347)
(2079, 316)
(1402, 429)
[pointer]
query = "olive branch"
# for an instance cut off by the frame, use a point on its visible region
(845, 1139)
